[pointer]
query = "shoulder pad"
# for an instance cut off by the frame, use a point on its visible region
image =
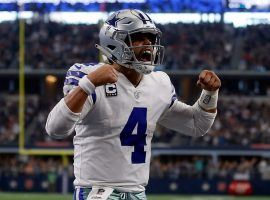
(75, 73)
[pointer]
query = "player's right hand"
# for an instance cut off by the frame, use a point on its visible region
(103, 75)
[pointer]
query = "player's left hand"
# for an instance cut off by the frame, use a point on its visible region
(208, 80)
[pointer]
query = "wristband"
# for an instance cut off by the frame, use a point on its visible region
(208, 99)
(86, 85)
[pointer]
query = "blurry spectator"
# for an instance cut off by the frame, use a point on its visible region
(199, 166)
(264, 169)
(9, 45)
(52, 178)
(9, 127)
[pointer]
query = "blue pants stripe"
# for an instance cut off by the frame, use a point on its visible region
(81, 194)
(74, 194)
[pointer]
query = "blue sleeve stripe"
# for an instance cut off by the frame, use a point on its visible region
(77, 74)
(71, 81)
(174, 97)
(77, 66)
(94, 97)
(90, 64)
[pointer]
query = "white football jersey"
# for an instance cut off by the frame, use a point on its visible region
(113, 137)
(112, 145)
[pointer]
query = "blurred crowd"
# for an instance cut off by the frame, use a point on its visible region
(15, 165)
(43, 170)
(198, 46)
(57, 46)
(240, 168)
(9, 126)
(50, 45)
(162, 166)
(36, 112)
(35, 130)
(255, 45)
(241, 122)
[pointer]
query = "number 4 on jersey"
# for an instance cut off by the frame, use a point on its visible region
(137, 117)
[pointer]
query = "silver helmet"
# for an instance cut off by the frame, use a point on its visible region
(116, 37)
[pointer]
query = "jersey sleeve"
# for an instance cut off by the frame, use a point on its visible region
(168, 89)
(61, 120)
(185, 119)
(73, 75)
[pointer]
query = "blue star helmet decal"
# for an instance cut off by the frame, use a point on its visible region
(113, 20)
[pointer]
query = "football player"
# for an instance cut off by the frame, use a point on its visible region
(114, 108)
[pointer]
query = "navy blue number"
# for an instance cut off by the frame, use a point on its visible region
(137, 117)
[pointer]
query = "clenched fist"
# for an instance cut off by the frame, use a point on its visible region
(208, 80)
(105, 74)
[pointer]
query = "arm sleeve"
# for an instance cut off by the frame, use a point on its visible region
(186, 119)
(61, 120)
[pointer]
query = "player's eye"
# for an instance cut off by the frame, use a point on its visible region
(136, 37)
(141, 37)
(152, 38)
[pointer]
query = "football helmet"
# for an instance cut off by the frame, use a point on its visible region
(120, 30)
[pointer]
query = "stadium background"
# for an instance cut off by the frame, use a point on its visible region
(39, 40)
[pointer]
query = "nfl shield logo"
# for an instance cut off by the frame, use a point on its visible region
(100, 191)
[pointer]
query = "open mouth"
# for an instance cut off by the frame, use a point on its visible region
(146, 56)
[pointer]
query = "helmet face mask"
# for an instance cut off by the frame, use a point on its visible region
(118, 35)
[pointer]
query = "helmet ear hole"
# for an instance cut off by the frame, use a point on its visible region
(127, 41)
(111, 47)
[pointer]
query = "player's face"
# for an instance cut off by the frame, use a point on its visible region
(143, 53)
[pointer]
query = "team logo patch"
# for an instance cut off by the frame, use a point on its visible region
(206, 99)
(110, 90)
